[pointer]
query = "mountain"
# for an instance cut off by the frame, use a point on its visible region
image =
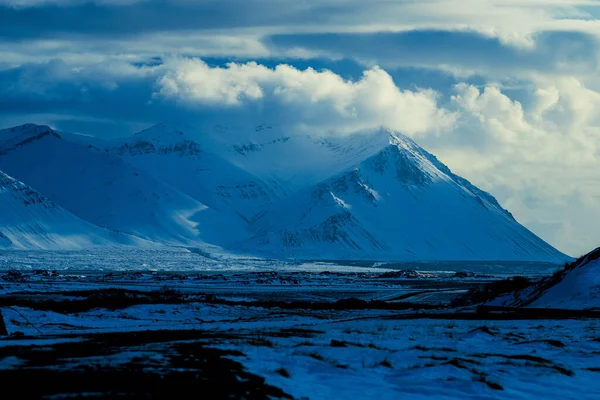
(28, 220)
(99, 188)
(400, 203)
(174, 157)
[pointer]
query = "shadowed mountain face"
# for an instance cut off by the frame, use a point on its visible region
(31, 221)
(99, 188)
(373, 195)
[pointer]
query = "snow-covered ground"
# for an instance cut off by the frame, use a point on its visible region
(351, 354)
(294, 327)
(376, 358)
(181, 259)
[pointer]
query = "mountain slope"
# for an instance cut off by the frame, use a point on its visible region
(399, 204)
(579, 287)
(100, 188)
(31, 221)
(293, 160)
(174, 157)
(576, 287)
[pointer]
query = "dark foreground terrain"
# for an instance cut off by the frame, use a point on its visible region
(391, 335)
(157, 365)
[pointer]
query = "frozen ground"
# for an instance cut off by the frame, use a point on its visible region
(360, 331)
(180, 259)
(341, 354)
(287, 334)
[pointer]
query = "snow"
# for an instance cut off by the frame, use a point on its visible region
(372, 353)
(431, 359)
(175, 158)
(13, 133)
(318, 354)
(179, 208)
(580, 289)
(295, 161)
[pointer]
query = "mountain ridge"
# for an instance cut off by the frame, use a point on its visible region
(399, 180)
(99, 188)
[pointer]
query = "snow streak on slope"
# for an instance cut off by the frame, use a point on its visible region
(100, 188)
(31, 221)
(401, 204)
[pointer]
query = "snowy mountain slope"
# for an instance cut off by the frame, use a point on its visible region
(15, 132)
(293, 160)
(576, 287)
(174, 157)
(579, 289)
(402, 204)
(100, 188)
(31, 221)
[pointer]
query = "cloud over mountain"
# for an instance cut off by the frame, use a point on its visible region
(314, 99)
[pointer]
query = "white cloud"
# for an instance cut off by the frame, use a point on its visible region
(313, 99)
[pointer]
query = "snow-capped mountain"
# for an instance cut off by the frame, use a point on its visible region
(370, 195)
(400, 203)
(28, 220)
(99, 188)
(174, 157)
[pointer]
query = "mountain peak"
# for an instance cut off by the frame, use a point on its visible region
(29, 128)
(14, 138)
(22, 132)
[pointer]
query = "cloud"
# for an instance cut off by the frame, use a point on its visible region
(310, 98)
(191, 90)
(510, 20)
(460, 52)
(97, 25)
(64, 3)
(114, 91)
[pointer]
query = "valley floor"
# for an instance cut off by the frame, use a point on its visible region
(361, 333)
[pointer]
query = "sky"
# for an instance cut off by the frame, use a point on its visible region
(505, 92)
